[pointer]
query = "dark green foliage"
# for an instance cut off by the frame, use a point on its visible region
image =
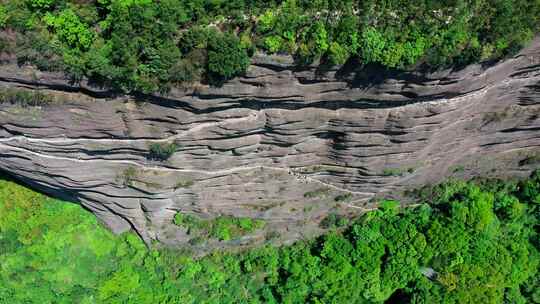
(343, 197)
(334, 221)
(272, 235)
(137, 47)
(473, 243)
(162, 151)
(226, 58)
(34, 48)
(149, 46)
(392, 172)
(317, 193)
(397, 171)
(456, 169)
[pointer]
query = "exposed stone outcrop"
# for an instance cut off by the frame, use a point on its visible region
(278, 144)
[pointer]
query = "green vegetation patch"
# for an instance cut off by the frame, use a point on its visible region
(397, 171)
(318, 193)
(150, 46)
(223, 228)
(264, 206)
(467, 243)
(343, 197)
(24, 98)
(184, 183)
(161, 151)
(334, 220)
(457, 168)
(531, 159)
(127, 176)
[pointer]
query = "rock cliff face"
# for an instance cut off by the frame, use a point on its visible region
(279, 144)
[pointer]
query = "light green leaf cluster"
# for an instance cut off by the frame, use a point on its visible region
(70, 29)
(42, 4)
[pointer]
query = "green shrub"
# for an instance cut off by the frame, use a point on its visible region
(184, 184)
(272, 235)
(457, 168)
(186, 71)
(196, 38)
(267, 21)
(226, 58)
(191, 222)
(245, 223)
(393, 172)
(343, 197)
(128, 176)
(196, 241)
(273, 44)
(6, 46)
(161, 151)
(334, 221)
(24, 98)
(319, 37)
(317, 193)
(373, 45)
(338, 54)
(34, 48)
(223, 228)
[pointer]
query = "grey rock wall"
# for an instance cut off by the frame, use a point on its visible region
(278, 144)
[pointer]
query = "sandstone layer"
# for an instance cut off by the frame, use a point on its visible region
(279, 144)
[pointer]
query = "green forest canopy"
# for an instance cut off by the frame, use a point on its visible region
(150, 45)
(472, 243)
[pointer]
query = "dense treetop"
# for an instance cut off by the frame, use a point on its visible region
(471, 243)
(150, 45)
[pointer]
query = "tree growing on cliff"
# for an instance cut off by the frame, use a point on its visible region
(226, 58)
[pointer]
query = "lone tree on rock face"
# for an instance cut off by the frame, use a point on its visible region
(161, 152)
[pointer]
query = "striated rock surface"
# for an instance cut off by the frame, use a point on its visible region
(279, 144)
